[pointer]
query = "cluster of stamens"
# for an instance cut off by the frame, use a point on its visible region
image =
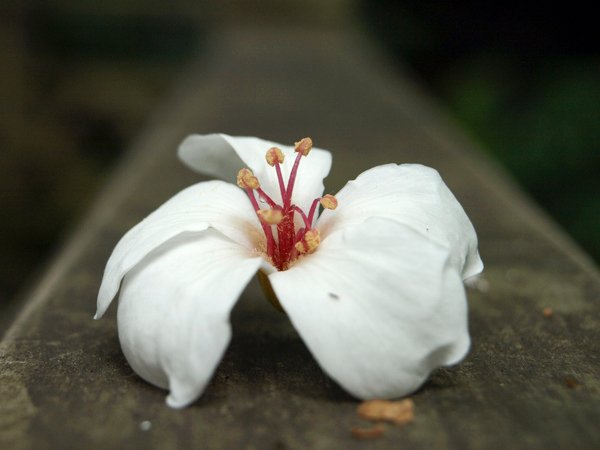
(290, 242)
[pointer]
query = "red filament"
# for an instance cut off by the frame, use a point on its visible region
(282, 250)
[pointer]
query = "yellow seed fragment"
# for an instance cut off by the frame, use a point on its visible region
(274, 155)
(247, 180)
(303, 146)
(309, 242)
(329, 202)
(270, 216)
(399, 412)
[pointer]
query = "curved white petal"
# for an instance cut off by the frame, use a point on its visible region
(216, 204)
(174, 310)
(414, 195)
(379, 306)
(223, 156)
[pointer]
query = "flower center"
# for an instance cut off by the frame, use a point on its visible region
(289, 243)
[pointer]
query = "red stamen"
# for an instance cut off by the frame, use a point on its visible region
(313, 209)
(285, 233)
(266, 228)
(291, 181)
(266, 198)
(299, 234)
(291, 243)
(307, 222)
(281, 183)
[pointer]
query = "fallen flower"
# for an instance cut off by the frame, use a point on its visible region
(374, 285)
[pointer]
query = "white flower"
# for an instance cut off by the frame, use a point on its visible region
(374, 287)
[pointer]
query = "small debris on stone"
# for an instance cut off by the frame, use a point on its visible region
(145, 425)
(399, 412)
(571, 382)
(373, 432)
(548, 312)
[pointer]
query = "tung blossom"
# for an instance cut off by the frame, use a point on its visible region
(373, 285)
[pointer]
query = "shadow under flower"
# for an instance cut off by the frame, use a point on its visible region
(266, 356)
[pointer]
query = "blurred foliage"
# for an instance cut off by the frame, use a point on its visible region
(548, 138)
(79, 78)
(81, 34)
(524, 80)
(77, 82)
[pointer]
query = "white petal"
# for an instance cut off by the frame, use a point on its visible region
(222, 156)
(379, 306)
(416, 196)
(211, 204)
(174, 311)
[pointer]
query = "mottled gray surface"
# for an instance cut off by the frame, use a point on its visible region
(65, 384)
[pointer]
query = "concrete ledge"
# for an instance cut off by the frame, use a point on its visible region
(529, 382)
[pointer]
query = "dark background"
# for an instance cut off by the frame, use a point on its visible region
(78, 80)
(523, 78)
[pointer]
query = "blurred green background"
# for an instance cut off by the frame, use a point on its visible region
(523, 79)
(78, 79)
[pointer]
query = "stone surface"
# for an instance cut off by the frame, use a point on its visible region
(530, 381)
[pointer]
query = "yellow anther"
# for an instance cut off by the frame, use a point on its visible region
(247, 180)
(329, 202)
(309, 242)
(274, 155)
(270, 216)
(303, 146)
